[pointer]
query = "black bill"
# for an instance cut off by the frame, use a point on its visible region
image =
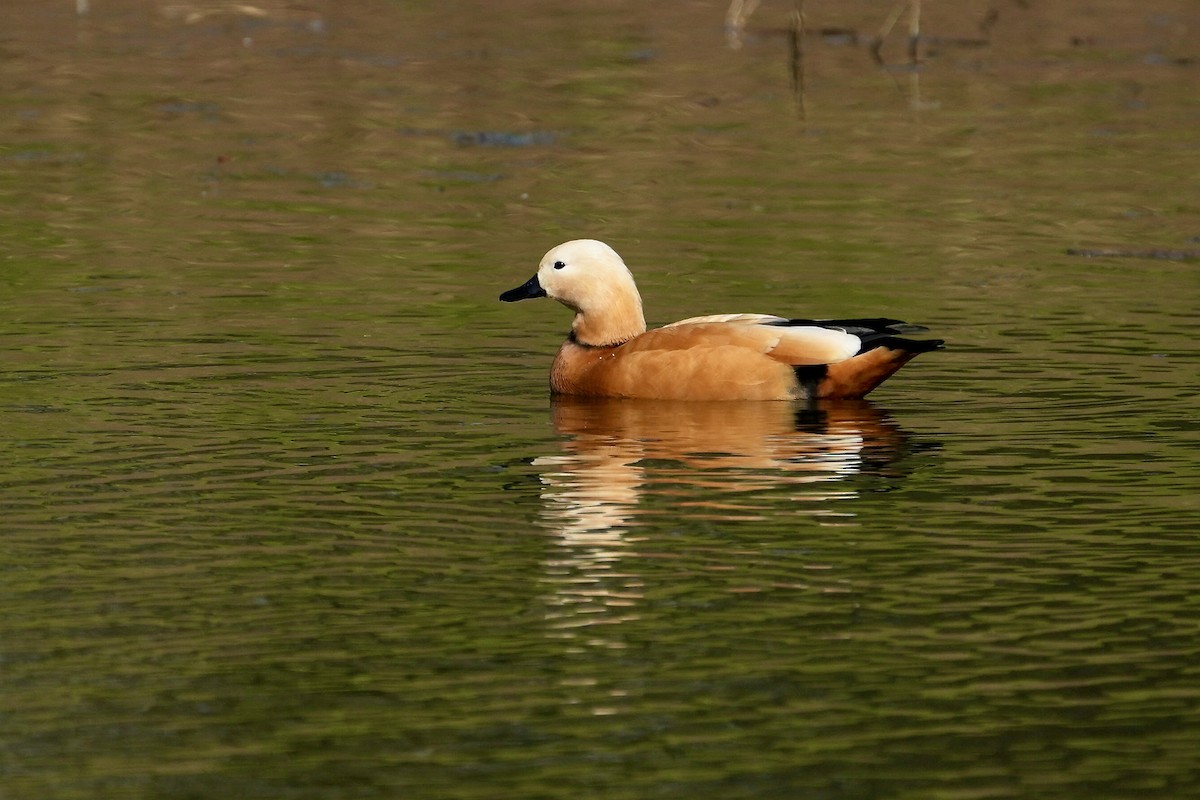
(530, 288)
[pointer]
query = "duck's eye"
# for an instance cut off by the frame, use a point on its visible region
(559, 264)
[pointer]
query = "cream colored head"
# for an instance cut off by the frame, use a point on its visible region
(589, 277)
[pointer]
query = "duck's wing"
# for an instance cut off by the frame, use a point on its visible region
(859, 326)
(872, 332)
(762, 334)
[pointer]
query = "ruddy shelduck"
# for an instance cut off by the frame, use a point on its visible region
(609, 352)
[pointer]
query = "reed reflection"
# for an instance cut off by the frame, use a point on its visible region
(740, 11)
(626, 462)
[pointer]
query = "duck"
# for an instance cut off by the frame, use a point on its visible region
(610, 353)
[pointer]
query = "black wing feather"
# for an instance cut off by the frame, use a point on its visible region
(858, 327)
(873, 331)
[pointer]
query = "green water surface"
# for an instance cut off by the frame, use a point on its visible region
(288, 513)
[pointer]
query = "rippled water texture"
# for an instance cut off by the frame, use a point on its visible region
(288, 513)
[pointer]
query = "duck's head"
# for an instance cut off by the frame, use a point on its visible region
(589, 278)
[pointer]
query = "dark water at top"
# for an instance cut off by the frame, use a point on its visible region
(289, 514)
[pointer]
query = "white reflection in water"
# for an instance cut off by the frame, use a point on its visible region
(624, 461)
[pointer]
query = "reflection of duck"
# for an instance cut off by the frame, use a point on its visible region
(624, 461)
(609, 352)
(766, 444)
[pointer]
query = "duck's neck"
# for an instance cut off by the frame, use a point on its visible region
(617, 321)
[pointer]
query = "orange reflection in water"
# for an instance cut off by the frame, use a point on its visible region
(623, 461)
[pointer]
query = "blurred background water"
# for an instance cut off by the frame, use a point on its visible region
(288, 512)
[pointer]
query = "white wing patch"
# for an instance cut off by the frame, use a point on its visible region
(822, 345)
